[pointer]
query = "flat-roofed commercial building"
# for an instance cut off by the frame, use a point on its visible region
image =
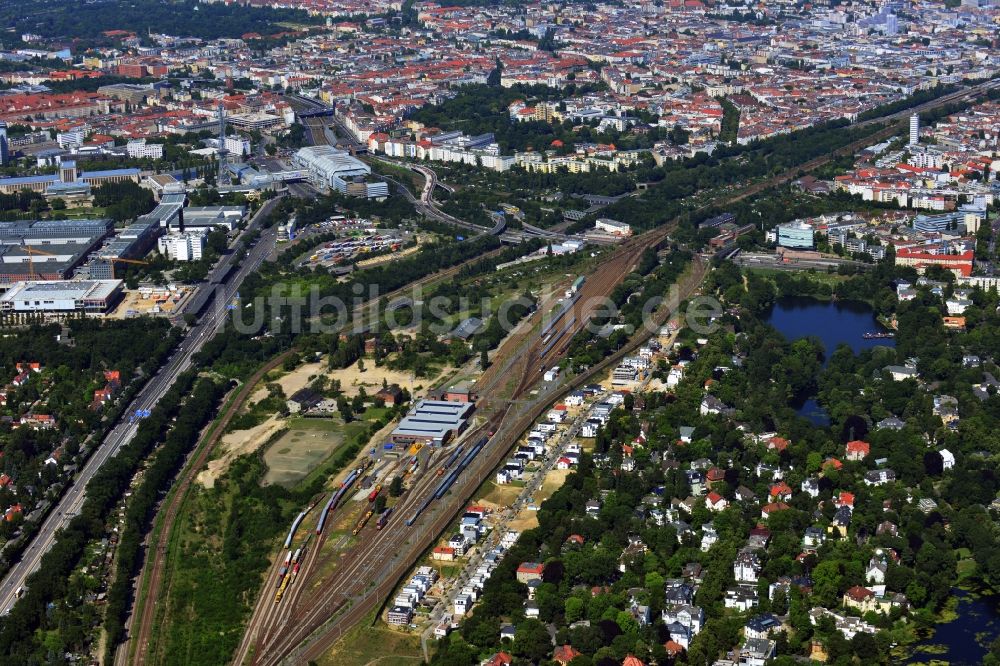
(210, 217)
(796, 235)
(89, 296)
(43, 182)
(47, 249)
(432, 422)
(252, 121)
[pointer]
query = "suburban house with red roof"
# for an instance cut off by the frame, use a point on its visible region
(715, 502)
(857, 450)
(529, 571)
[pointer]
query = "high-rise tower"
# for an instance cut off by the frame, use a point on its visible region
(4, 147)
(222, 152)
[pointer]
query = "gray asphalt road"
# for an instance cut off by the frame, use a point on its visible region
(72, 500)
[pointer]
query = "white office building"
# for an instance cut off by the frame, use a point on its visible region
(138, 149)
(188, 246)
(237, 145)
(71, 139)
(914, 129)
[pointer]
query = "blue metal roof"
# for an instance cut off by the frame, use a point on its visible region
(26, 180)
(109, 172)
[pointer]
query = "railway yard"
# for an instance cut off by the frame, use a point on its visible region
(342, 577)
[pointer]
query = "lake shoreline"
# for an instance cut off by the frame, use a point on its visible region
(961, 630)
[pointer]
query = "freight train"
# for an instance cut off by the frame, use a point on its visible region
(383, 519)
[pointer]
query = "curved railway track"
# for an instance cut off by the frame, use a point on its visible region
(325, 608)
(345, 611)
(137, 646)
(135, 649)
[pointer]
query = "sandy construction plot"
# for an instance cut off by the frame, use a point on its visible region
(235, 444)
(526, 518)
(292, 381)
(351, 379)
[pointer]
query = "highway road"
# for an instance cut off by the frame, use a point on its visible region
(425, 203)
(211, 322)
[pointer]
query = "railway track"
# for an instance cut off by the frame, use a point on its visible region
(345, 597)
(135, 649)
(469, 482)
(337, 601)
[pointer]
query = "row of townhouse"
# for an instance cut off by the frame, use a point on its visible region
(411, 595)
(470, 592)
(599, 414)
(471, 529)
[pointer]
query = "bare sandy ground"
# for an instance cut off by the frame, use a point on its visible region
(235, 444)
(527, 519)
(352, 379)
(292, 381)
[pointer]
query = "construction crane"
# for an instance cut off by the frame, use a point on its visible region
(121, 260)
(31, 252)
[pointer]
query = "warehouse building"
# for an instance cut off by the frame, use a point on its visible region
(210, 217)
(613, 227)
(47, 249)
(432, 422)
(94, 297)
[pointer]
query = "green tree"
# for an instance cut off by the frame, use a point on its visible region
(827, 577)
(628, 624)
(345, 409)
(532, 641)
(396, 486)
(573, 609)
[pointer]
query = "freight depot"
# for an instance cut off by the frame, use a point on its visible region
(348, 250)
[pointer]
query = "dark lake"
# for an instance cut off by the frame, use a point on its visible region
(964, 641)
(834, 323)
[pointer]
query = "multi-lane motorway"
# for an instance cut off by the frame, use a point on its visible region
(211, 322)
